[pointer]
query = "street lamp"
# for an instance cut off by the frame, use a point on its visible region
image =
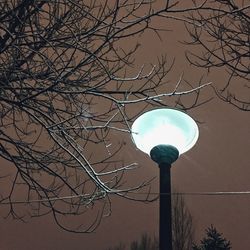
(164, 134)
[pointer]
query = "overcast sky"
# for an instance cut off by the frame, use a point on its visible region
(220, 161)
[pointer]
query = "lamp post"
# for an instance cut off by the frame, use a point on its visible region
(164, 134)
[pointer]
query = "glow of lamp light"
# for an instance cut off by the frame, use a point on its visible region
(164, 126)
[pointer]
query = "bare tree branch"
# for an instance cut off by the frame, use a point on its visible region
(67, 86)
(221, 29)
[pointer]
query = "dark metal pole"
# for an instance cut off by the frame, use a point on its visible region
(165, 155)
(165, 230)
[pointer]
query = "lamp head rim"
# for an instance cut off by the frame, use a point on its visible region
(181, 123)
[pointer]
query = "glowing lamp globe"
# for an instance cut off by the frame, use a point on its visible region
(164, 126)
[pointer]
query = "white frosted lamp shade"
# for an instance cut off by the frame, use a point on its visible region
(164, 126)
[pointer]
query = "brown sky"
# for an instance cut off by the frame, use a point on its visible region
(220, 161)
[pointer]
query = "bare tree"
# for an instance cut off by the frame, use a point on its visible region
(67, 86)
(221, 29)
(182, 227)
